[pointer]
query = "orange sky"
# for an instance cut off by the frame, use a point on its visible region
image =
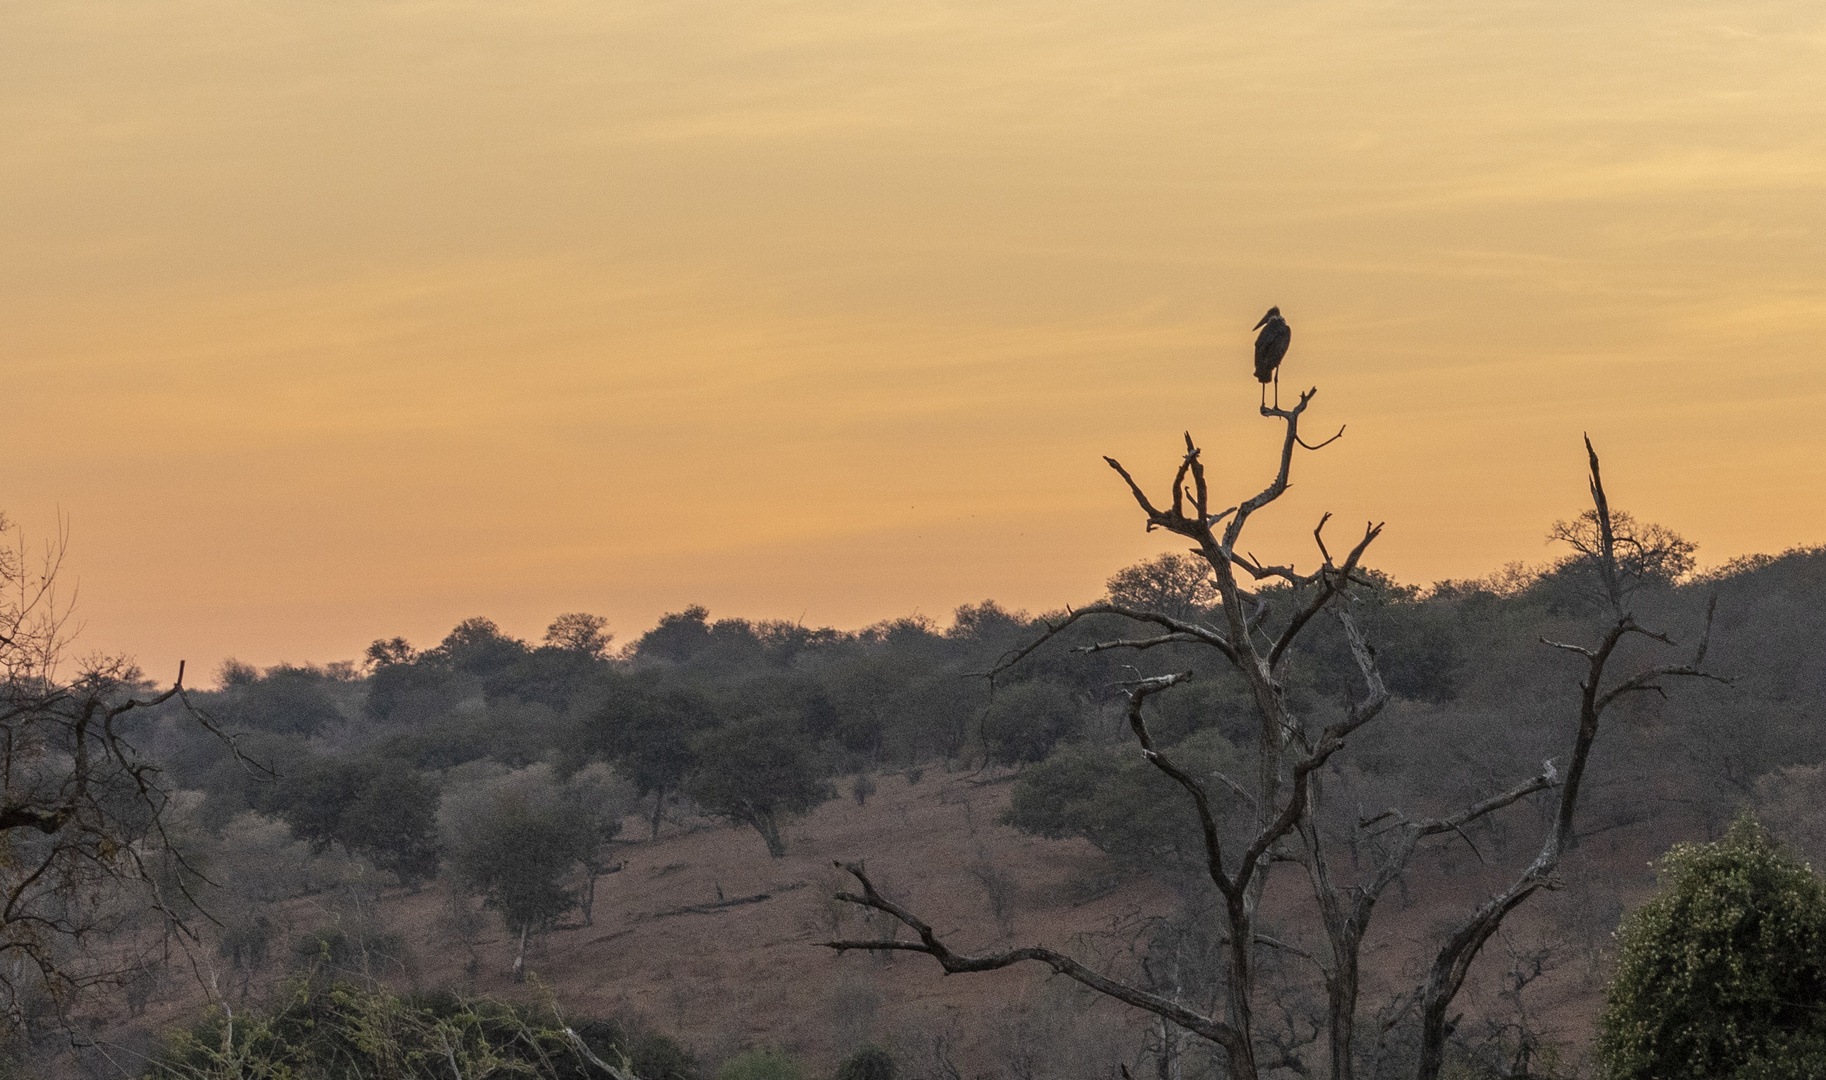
(324, 320)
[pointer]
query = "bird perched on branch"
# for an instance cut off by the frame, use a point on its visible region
(1270, 346)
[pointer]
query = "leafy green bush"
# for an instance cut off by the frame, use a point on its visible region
(322, 1030)
(333, 952)
(761, 1065)
(1723, 974)
(868, 1063)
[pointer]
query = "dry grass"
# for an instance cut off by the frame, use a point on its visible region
(723, 979)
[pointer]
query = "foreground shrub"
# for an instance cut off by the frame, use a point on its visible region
(1723, 974)
(868, 1063)
(321, 1030)
(761, 1065)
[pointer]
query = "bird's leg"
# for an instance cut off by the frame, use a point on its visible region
(1277, 387)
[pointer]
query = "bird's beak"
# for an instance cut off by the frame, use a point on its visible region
(1261, 324)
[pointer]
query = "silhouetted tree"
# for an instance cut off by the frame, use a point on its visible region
(286, 700)
(385, 652)
(477, 647)
(1174, 584)
(1025, 721)
(679, 636)
(1645, 556)
(581, 633)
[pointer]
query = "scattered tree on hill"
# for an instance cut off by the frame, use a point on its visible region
(477, 647)
(594, 794)
(757, 771)
(386, 652)
(679, 636)
(1122, 804)
(1723, 973)
(412, 691)
(516, 851)
(647, 729)
(1254, 631)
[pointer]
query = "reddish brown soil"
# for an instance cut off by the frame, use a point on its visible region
(726, 978)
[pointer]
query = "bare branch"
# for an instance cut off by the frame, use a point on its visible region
(1276, 943)
(1330, 582)
(1279, 484)
(1135, 489)
(1376, 694)
(1207, 821)
(954, 963)
(1139, 643)
(1194, 632)
(1324, 444)
(1546, 779)
(1454, 959)
(1607, 541)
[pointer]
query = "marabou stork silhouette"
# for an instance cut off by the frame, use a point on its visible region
(1270, 346)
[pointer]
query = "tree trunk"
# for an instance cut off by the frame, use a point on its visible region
(1341, 995)
(659, 807)
(520, 960)
(764, 823)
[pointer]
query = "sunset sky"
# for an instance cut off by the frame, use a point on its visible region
(327, 320)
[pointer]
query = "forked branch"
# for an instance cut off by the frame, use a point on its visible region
(1177, 629)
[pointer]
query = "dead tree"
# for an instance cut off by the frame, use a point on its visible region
(83, 846)
(1288, 751)
(1285, 793)
(1454, 959)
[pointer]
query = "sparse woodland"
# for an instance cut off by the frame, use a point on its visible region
(1340, 825)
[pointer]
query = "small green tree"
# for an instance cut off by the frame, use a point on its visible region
(646, 728)
(1723, 974)
(761, 1065)
(755, 771)
(515, 853)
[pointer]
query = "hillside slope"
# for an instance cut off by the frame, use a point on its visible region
(703, 936)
